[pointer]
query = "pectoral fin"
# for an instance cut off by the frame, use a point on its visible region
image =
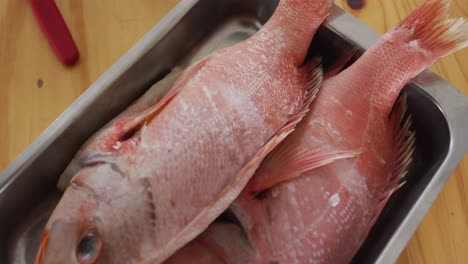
(137, 122)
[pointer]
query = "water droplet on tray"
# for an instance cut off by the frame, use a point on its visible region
(356, 4)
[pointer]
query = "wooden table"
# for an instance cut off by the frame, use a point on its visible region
(35, 89)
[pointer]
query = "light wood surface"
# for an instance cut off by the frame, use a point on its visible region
(35, 89)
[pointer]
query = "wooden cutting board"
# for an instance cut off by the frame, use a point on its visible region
(35, 89)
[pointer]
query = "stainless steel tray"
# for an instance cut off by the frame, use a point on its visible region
(192, 29)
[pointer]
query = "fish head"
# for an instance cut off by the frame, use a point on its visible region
(92, 222)
(72, 233)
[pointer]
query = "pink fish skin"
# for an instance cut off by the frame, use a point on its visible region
(157, 178)
(315, 198)
(99, 142)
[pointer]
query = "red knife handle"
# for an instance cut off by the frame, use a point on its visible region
(57, 32)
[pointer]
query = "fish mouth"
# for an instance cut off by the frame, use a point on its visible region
(42, 248)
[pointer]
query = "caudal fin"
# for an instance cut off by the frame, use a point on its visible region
(434, 31)
(420, 40)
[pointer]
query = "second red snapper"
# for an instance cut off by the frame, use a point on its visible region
(157, 178)
(315, 198)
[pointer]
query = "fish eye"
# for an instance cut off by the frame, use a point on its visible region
(89, 248)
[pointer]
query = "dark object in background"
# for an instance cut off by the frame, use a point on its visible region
(356, 4)
(57, 32)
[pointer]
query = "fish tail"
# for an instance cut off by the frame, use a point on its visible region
(420, 40)
(434, 31)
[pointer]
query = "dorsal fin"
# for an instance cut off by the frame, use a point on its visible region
(404, 142)
(314, 75)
